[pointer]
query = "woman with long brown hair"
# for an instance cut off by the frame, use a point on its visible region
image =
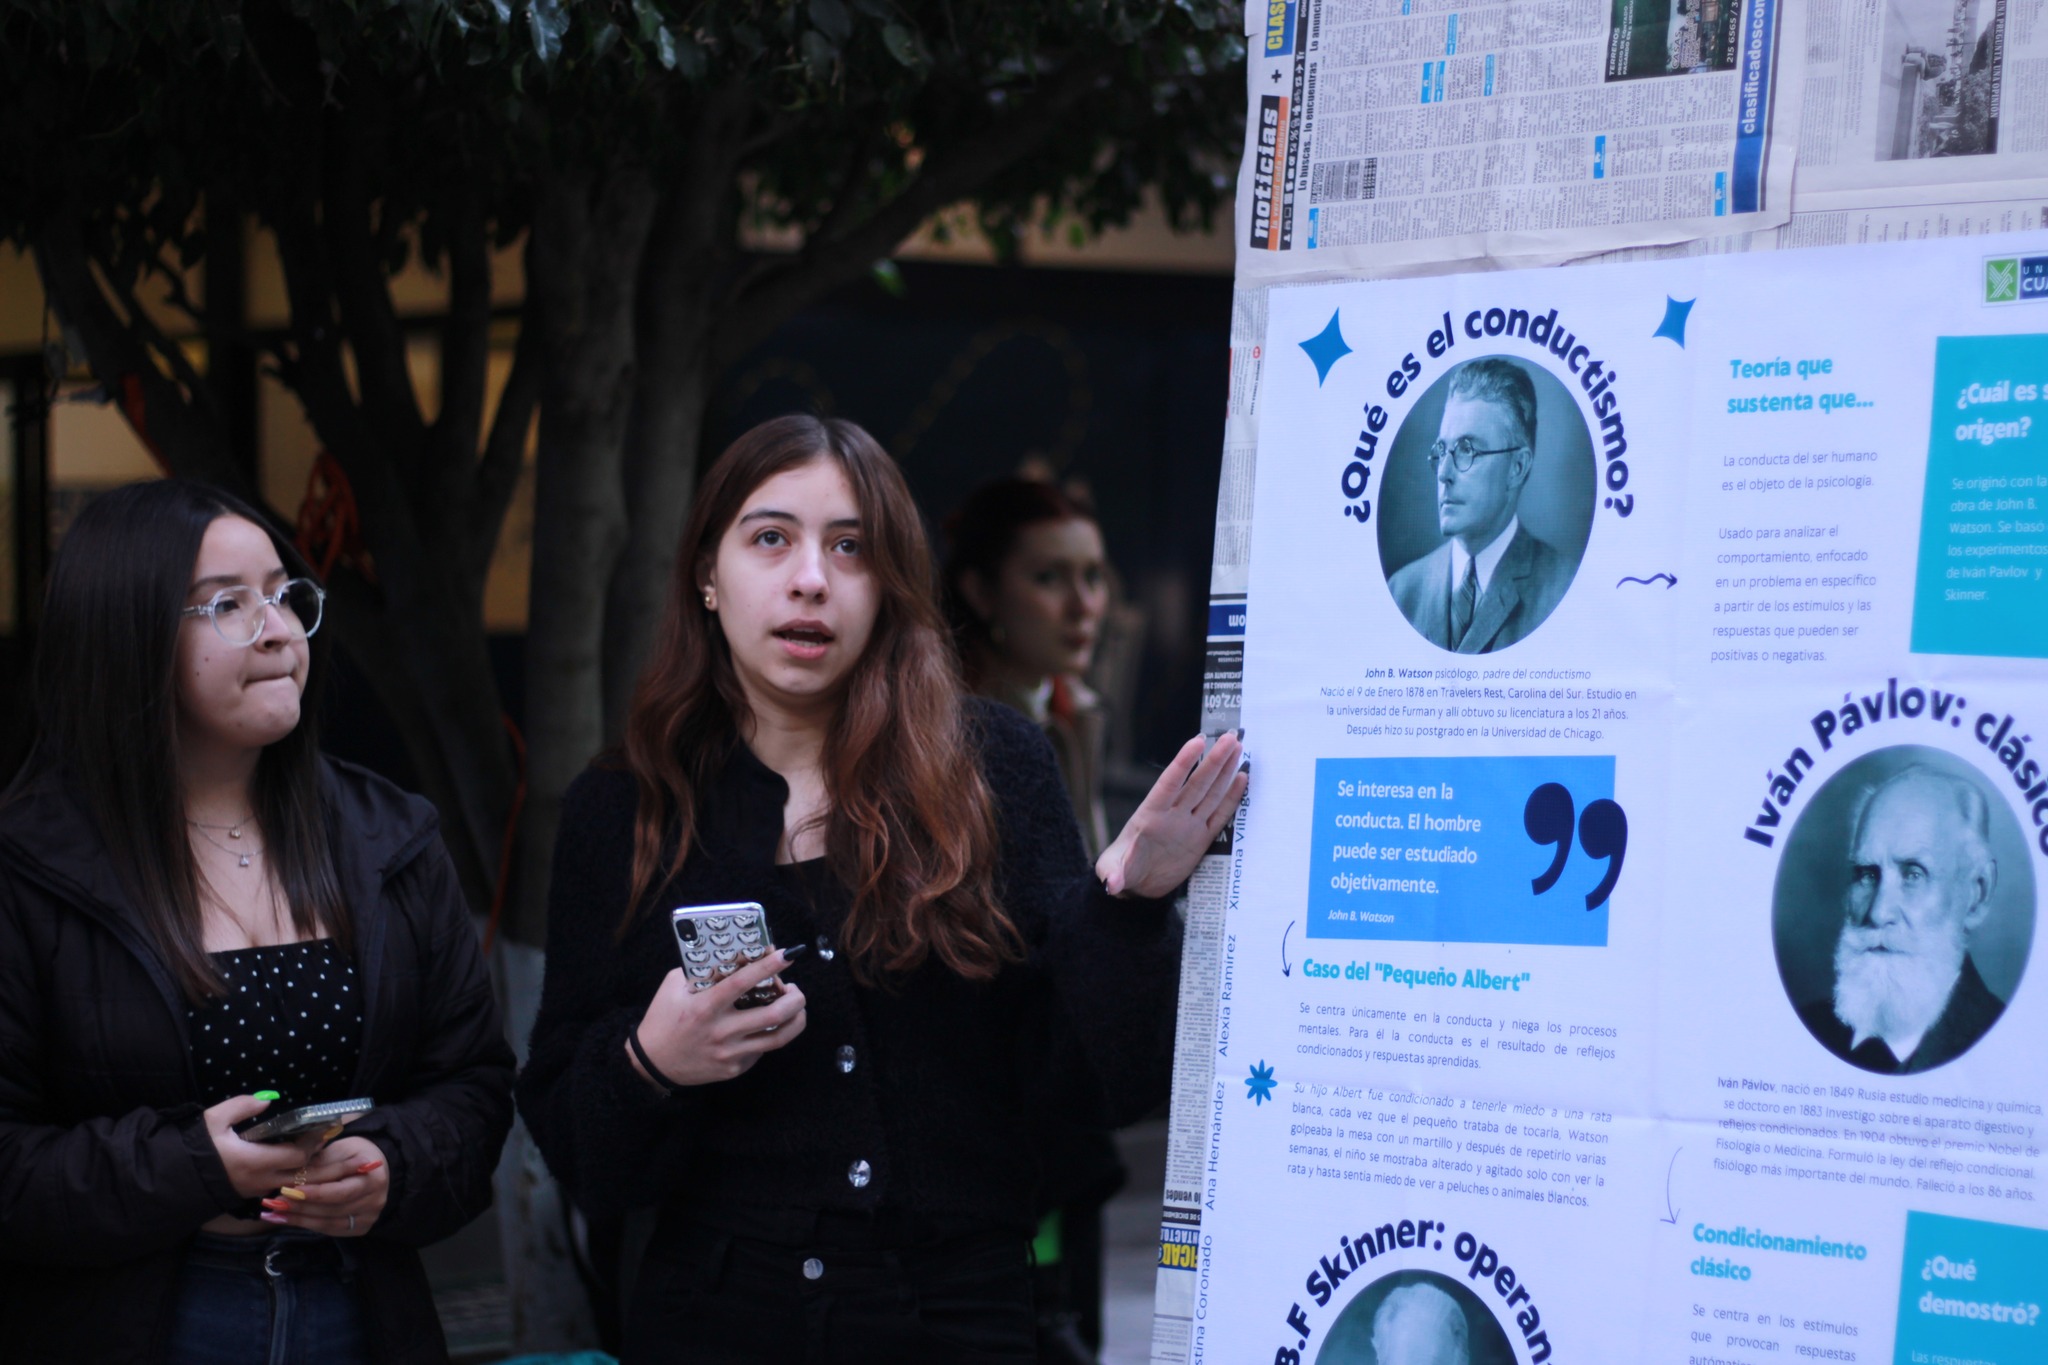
(848, 1172)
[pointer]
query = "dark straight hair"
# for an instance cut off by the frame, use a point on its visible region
(106, 690)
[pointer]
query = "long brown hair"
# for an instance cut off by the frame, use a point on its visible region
(911, 829)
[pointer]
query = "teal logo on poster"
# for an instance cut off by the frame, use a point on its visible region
(1972, 1291)
(1465, 850)
(1982, 582)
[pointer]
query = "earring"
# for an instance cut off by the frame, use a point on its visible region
(710, 600)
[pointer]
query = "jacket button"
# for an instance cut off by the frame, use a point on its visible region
(858, 1174)
(846, 1060)
(825, 953)
(813, 1268)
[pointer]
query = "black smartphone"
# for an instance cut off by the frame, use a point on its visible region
(306, 1118)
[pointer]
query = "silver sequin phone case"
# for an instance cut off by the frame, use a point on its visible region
(718, 940)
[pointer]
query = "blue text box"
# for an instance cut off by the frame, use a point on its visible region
(1982, 584)
(1434, 850)
(1972, 1291)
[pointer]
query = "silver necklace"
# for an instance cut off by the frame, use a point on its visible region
(234, 830)
(232, 834)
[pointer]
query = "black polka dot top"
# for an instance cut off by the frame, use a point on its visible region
(291, 1021)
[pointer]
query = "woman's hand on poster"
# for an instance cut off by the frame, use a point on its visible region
(697, 1037)
(254, 1168)
(340, 1193)
(1180, 817)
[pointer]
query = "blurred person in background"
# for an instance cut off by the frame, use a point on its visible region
(202, 920)
(1027, 589)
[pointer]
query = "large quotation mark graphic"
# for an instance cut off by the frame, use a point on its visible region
(1549, 818)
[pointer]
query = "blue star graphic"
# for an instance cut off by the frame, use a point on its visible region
(1326, 348)
(1675, 313)
(1260, 1083)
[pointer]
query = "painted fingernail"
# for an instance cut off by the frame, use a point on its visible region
(1240, 732)
(277, 1205)
(292, 1194)
(274, 1218)
(795, 951)
(267, 1096)
(367, 1167)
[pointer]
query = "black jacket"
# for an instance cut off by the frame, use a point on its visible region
(106, 1169)
(949, 1078)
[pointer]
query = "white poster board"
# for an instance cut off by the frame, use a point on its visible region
(1634, 961)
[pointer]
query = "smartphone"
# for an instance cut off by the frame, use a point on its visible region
(307, 1118)
(718, 940)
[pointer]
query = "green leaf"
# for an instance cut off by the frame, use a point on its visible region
(665, 47)
(902, 45)
(546, 22)
(832, 20)
(649, 19)
(503, 9)
(602, 41)
(819, 55)
(690, 58)
(890, 279)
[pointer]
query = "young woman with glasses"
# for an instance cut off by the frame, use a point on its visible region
(202, 920)
(848, 1172)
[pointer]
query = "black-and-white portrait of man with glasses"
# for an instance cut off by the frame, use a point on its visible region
(1493, 579)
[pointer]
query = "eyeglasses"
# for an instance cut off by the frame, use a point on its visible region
(238, 613)
(1463, 452)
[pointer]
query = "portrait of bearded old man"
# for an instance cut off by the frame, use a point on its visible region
(1907, 995)
(1492, 580)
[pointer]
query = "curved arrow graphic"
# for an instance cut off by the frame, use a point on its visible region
(1286, 967)
(1670, 1213)
(1670, 580)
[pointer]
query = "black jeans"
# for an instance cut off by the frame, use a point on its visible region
(707, 1296)
(288, 1298)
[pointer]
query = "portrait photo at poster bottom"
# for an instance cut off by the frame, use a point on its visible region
(1415, 1317)
(1486, 504)
(1903, 911)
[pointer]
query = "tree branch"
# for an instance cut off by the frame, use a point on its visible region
(177, 429)
(144, 328)
(764, 303)
(465, 343)
(497, 472)
(363, 290)
(313, 368)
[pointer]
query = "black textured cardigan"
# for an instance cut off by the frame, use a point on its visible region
(948, 1080)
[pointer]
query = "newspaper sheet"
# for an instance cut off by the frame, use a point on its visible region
(1922, 100)
(1391, 137)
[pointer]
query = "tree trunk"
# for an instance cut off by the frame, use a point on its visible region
(583, 265)
(672, 324)
(429, 667)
